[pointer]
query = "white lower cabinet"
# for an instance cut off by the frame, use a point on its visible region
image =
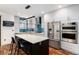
(73, 48)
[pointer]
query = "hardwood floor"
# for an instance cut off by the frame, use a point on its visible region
(53, 51)
(5, 50)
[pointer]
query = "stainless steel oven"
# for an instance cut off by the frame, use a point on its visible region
(69, 35)
(69, 32)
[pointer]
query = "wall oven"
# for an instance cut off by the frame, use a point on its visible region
(69, 32)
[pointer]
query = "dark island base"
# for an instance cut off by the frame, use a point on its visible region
(40, 48)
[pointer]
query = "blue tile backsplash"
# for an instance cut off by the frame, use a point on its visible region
(23, 30)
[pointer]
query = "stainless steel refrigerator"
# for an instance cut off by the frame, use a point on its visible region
(54, 34)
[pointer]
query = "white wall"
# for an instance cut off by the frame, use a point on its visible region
(67, 14)
(6, 32)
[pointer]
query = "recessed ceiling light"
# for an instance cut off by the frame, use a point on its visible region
(42, 12)
(59, 6)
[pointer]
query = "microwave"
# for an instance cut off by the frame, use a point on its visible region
(70, 26)
(8, 23)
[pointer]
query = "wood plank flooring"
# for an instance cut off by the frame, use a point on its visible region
(53, 51)
(5, 50)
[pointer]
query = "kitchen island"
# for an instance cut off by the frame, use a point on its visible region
(34, 44)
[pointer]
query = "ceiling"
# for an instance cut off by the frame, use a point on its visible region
(35, 9)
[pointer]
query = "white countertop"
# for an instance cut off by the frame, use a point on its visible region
(31, 37)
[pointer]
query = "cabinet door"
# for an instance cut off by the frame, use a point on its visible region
(40, 48)
(44, 50)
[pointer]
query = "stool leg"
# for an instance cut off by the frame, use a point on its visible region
(11, 48)
(17, 51)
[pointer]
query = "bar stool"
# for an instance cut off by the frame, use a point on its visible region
(18, 43)
(15, 43)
